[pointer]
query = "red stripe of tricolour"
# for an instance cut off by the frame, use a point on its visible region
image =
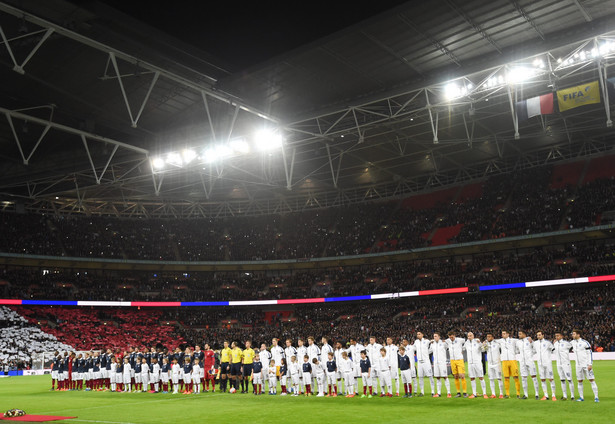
(312, 300)
(10, 301)
(546, 104)
(157, 304)
(601, 278)
(443, 291)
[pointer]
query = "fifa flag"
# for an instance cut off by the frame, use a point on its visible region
(541, 105)
(580, 95)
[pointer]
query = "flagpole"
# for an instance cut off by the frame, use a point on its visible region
(512, 111)
(605, 92)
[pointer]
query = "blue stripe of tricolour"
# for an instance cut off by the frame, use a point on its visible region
(503, 286)
(50, 302)
(345, 298)
(225, 303)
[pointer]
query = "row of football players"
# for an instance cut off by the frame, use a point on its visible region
(373, 363)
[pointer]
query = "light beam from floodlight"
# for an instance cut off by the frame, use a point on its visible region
(158, 163)
(240, 146)
(266, 140)
(174, 158)
(188, 155)
(519, 75)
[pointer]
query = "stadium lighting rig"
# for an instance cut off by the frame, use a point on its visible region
(265, 140)
(520, 73)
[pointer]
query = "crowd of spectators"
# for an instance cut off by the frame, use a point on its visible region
(514, 266)
(508, 205)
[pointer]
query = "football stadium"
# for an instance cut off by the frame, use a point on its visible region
(389, 212)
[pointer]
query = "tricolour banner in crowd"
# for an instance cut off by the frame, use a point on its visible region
(541, 105)
(579, 95)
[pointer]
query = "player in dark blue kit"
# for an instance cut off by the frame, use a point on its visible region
(331, 374)
(187, 375)
(306, 367)
(366, 374)
(406, 373)
(138, 383)
(119, 371)
(97, 375)
(164, 374)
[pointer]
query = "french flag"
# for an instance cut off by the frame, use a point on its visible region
(541, 105)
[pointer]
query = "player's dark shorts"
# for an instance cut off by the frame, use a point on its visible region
(236, 368)
(224, 366)
(247, 370)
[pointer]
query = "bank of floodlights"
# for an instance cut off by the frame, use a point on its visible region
(265, 140)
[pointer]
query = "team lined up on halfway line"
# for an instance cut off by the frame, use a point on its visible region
(324, 370)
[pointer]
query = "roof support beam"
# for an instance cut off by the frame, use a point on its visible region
(70, 130)
(583, 10)
(513, 112)
(474, 25)
(602, 68)
(528, 19)
(186, 82)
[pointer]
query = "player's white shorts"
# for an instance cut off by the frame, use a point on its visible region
(546, 371)
(494, 371)
(103, 373)
(365, 380)
(273, 382)
(138, 377)
(527, 369)
(406, 376)
(475, 370)
(357, 370)
(187, 378)
(424, 369)
(564, 371)
(385, 378)
(164, 377)
(54, 375)
(77, 376)
(439, 370)
(66, 375)
(307, 378)
(97, 375)
(584, 374)
(257, 378)
(394, 373)
(154, 377)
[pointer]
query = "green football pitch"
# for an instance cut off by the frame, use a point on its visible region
(32, 394)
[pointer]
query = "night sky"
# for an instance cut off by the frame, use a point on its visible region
(250, 33)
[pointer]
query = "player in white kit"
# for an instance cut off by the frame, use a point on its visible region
(474, 352)
(373, 353)
(440, 372)
(383, 364)
(355, 352)
(544, 350)
(423, 363)
(526, 363)
(392, 352)
(584, 364)
(562, 360)
(494, 364)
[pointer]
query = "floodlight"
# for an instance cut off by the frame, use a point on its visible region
(519, 75)
(188, 155)
(240, 146)
(174, 158)
(268, 139)
(216, 153)
(158, 163)
(453, 91)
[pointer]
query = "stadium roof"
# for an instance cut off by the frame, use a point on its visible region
(411, 99)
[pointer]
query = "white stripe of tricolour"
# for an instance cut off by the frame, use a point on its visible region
(557, 282)
(384, 296)
(408, 294)
(102, 303)
(252, 302)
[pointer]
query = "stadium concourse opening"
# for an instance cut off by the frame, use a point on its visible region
(395, 204)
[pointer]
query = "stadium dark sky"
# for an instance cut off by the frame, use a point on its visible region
(247, 33)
